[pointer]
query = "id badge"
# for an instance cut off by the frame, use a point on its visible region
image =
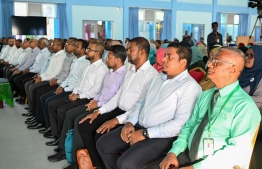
(208, 144)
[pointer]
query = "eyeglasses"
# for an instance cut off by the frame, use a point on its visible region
(66, 44)
(90, 50)
(249, 55)
(215, 61)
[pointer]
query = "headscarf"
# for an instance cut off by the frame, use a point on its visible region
(196, 55)
(251, 77)
(160, 53)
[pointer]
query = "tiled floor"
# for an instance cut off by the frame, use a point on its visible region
(21, 148)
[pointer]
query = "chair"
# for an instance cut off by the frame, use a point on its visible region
(197, 73)
(247, 165)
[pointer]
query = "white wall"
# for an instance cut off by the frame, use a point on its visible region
(194, 18)
(80, 13)
(242, 3)
(196, 1)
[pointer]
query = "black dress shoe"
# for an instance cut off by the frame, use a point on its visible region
(72, 166)
(17, 100)
(45, 130)
(35, 126)
(57, 150)
(31, 122)
(22, 101)
(49, 135)
(27, 114)
(27, 108)
(30, 118)
(52, 143)
(57, 157)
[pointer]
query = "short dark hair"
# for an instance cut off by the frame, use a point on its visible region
(99, 47)
(119, 52)
(158, 41)
(85, 44)
(27, 39)
(120, 41)
(142, 44)
(184, 52)
(61, 42)
(74, 40)
(19, 40)
(214, 23)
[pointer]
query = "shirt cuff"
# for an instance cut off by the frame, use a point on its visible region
(132, 120)
(152, 132)
(121, 118)
(175, 150)
(99, 104)
(67, 89)
(82, 96)
(102, 110)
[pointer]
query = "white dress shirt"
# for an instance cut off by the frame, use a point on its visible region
(74, 76)
(167, 105)
(55, 66)
(30, 60)
(135, 82)
(15, 56)
(40, 60)
(10, 52)
(91, 80)
(22, 57)
(4, 52)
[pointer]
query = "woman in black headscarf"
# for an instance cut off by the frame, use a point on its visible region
(251, 78)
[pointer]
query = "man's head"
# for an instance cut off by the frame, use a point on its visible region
(11, 42)
(186, 32)
(50, 42)
(158, 44)
(226, 66)
(138, 50)
(57, 45)
(116, 56)
(177, 59)
(108, 43)
(25, 44)
(201, 39)
(70, 45)
(215, 26)
(33, 43)
(18, 43)
(42, 43)
(80, 47)
(94, 51)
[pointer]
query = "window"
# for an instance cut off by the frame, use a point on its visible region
(37, 9)
(150, 23)
(229, 26)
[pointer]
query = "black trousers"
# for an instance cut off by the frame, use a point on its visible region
(139, 156)
(57, 110)
(33, 92)
(88, 133)
(39, 115)
(12, 81)
(19, 83)
(45, 99)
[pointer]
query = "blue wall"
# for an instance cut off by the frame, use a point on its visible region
(211, 7)
(1, 20)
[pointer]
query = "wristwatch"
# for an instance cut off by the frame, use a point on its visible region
(145, 133)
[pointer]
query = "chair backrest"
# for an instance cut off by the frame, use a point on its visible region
(197, 73)
(252, 147)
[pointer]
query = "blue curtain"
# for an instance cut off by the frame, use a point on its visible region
(219, 21)
(133, 22)
(61, 27)
(166, 30)
(108, 29)
(242, 25)
(6, 13)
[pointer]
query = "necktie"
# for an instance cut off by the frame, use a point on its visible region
(198, 134)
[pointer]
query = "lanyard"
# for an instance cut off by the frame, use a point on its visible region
(209, 110)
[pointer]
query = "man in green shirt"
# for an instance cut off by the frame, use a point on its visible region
(226, 138)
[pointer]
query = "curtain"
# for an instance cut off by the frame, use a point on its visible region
(61, 30)
(133, 22)
(6, 13)
(108, 29)
(218, 21)
(242, 25)
(166, 30)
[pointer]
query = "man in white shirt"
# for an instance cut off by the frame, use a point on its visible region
(157, 118)
(33, 70)
(89, 86)
(135, 82)
(15, 54)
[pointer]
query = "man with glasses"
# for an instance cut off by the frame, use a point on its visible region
(220, 131)
(214, 37)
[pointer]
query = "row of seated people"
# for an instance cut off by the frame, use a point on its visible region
(139, 99)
